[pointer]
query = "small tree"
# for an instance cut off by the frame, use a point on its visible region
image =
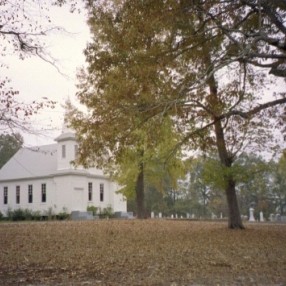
(9, 145)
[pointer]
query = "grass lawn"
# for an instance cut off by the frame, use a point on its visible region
(148, 252)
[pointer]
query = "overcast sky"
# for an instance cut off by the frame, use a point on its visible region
(35, 78)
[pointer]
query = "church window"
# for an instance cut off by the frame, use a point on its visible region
(17, 194)
(90, 191)
(30, 194)
(5, 195)
(101, 192)
(44, 193)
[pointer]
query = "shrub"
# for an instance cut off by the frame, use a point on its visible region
(50, 214)
(36, 215)
(9, 213)
(92, 209)
(63, 214)
(20, 214)
(106, 212)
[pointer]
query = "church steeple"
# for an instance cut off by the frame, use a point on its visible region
(67, 132)
(66, 128)
(67, 147)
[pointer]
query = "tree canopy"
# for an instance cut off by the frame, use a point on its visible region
(193, 63)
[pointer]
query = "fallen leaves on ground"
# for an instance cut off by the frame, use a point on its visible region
(141, 252)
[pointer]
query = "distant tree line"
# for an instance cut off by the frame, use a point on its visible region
(261, 185)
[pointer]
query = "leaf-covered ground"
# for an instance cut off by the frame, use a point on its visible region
(149, 252)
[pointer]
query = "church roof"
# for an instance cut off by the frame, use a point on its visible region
(30, 163)
(42, 161)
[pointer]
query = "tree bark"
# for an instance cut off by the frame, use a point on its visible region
(215, 106)
(140, 192)
(234, 218)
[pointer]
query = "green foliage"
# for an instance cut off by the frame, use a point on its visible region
(23, 214)
(279, 182)
(28, 215)
(255, 187)
(106, 212)
(63, 215)
(9, 145)
(92, 209)
(50, 214)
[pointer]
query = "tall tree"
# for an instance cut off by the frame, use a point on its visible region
(9, 145)
(136, 157)
(189, 61)
(114, 128)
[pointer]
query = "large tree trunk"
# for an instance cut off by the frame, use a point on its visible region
(234, 218)
(214, 104)
(140, 193)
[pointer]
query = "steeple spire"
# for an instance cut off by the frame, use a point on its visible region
(66, 128)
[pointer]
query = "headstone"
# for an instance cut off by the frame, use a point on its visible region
(152, 215)
(272, 217)
(123, 215)
(261, 217)
(214, 216)
(278, 217)
(172, 216)
(221, 217)
(82, 215)
(251, 215)
(176, 215)
(193, 216)
(160, 215)
(188, 215)
(244, 217)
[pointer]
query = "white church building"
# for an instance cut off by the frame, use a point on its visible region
(43, 179)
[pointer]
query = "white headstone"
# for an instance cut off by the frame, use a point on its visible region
(214, 216)
(172, 216)
(176, 215)
(160, 215)
(152, 215)
(251, 215)
(261, 216)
